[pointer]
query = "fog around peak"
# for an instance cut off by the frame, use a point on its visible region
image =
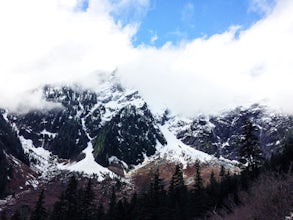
(54, 41)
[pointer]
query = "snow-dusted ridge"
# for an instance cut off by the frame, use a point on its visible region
(91, 109)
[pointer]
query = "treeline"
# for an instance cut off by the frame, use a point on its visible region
(174, 202)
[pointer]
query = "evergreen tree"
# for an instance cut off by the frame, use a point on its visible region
(112, 205)
(87, 206)
(198, 183)
(39, 212)
(222, 172)
(157, 191)
(119, 211)
(213, 191)
(133, 208)
(72, 200)
(113, 201)
(177, 185)
(67, 207)
(250, 147)
(60, 209)
(198, 195)
(16, 215)
(100, 212)
(178, 194)
(155, 199)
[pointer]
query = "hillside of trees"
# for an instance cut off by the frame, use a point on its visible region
(263, 190)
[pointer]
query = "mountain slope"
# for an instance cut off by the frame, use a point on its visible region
(111, 121)
(220, 135)
(110, 130)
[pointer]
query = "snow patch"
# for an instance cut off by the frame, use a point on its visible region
(114, 159)
(50, 134)
(88, 165)
(176, 150)
(42, 161)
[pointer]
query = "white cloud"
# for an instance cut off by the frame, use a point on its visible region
(131, 11)
(262, 6)
(222, 71)
(50, 41)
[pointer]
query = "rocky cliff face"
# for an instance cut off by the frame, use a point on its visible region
(220, 135)
(115, 120)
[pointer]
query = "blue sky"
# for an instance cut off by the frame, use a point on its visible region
(176, 20)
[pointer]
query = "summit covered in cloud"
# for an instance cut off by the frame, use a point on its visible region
(64, 41)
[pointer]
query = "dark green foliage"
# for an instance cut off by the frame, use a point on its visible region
(177, 187)
(222, 172)
(60, 209)
(117, 209)
(250, 147)
(67, 207)
(76, 203)
(178, 196)
(155, 200)
(87, 207)
(39, 213)
(125, 137)
(156, 191)
(198, 184)
(198, 194)
(213, 190)
(178, 203)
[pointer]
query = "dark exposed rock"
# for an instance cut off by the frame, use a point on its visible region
(220, 135)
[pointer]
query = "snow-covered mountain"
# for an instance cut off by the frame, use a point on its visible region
(110, 130)
(220, 134)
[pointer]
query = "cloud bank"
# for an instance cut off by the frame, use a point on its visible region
(53, 41)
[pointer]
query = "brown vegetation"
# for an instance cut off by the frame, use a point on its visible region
(142, 176)
(269, 198)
